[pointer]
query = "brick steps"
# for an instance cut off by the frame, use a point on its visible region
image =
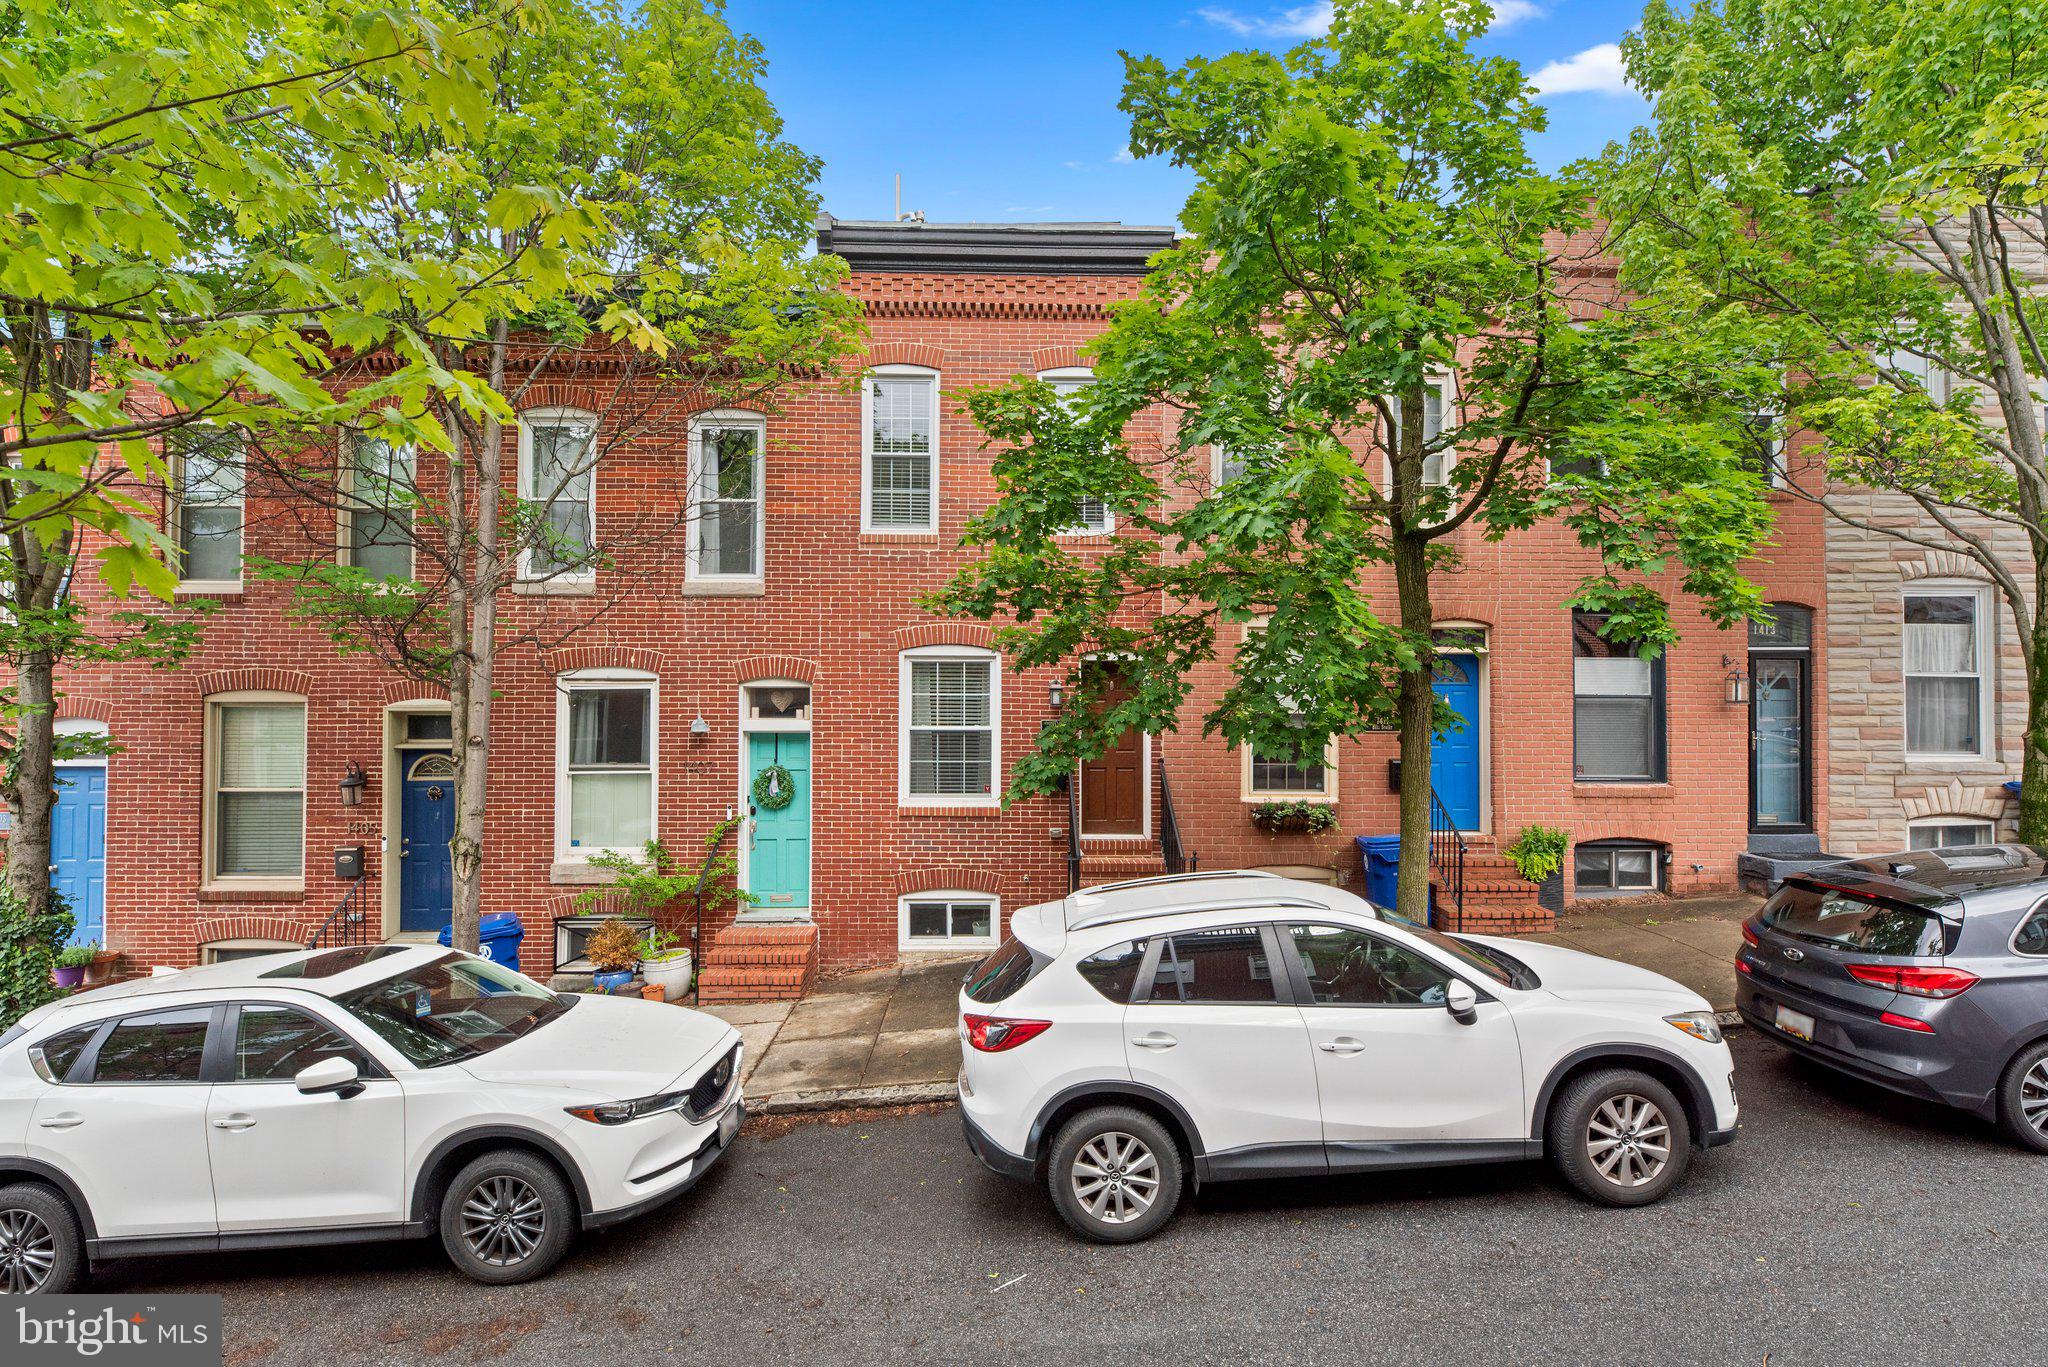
(1111, 865)
(754, 963)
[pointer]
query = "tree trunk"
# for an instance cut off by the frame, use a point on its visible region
(1416, 708)
(2033, 824)
(31, 789)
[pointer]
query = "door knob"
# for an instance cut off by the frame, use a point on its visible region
(67, 1121)
(235, 1122)
(1158, 1039)
(1343, 1044)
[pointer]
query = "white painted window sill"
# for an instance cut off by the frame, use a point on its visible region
(724, 588)
(560, 588)
(580, 872)
(209, 588)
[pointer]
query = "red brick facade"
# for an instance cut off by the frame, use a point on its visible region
(837, 608)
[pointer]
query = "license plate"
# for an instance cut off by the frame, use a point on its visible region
(1797, 1024)
(728, 1125)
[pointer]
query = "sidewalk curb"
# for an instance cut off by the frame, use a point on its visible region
(854, 1098)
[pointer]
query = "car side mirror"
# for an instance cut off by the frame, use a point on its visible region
(337, 1076)
(1461, 1001)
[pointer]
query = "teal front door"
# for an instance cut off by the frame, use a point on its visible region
(779, 840)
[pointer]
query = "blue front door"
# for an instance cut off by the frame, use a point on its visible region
(426, 823)
(78, 849)
(1454, 755)
(779, 848)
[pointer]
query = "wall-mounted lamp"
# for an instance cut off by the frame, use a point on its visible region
(352, 784)
(1738, 688)
(1056, 694)
(700, 727)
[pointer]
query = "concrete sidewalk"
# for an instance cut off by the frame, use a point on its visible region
(890, 1037)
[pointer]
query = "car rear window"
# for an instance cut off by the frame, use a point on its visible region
(1844, 920)
(1002, 973)
(1114, 971)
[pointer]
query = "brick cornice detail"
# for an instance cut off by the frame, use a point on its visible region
(412, 690)
(1942, 565)
(90, 709)
(263, 679)
(945, 878)
(983, 308)
(907, 353)
(978, 634)
(604, 657)
(1066, 357)
(212, 928)
(774, 667)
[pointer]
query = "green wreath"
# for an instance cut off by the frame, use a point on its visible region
(774, 788)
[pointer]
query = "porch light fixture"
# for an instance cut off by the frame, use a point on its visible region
(700, 727)
(1056, 694)
(352, 784)
(1738, 688)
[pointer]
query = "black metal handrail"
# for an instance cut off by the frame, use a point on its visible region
(1178, 858)
(1073, 835)
(346, 925)
(1447, 864)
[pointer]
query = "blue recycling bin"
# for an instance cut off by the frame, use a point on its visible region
(1381, 855)
(498, 936)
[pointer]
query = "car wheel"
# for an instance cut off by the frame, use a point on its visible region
(2023, 1098)
(1619, 1137)
(42, 1252)
(1114, 1174)
(507, 1217)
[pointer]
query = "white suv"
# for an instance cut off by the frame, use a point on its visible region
(1242, 1025)
(348, 1095)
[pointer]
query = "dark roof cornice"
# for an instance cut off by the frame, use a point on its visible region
(992, 248)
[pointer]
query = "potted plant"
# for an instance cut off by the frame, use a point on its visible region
(72, 961)
(1538, 852)
(665, 965)
(1279, 818)
(654, 882)
(613, 949)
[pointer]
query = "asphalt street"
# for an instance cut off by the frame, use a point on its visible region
(1846, 1225)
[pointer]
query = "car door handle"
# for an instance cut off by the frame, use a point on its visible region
(61, 1122)
(235, 1122)
(1158, 1039)
(1343, 1044)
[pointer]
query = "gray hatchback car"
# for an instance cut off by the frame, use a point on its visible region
(1925, 972)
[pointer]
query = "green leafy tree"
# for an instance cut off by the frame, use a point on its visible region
(1858, 191)
(1365, 219)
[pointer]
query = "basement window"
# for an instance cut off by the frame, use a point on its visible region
(1617, 868)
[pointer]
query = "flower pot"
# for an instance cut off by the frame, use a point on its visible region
(652, 992)
(671, 973)
(70, 975)
(612, 982)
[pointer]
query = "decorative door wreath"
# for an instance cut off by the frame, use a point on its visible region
(774, 788)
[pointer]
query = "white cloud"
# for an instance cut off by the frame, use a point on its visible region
(1302, 21)
(1597, 69)
(1124, 156)
(1509, 12)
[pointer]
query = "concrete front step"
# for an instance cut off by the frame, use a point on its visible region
(759, 963)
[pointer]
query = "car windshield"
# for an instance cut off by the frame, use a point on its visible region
(1472, 956)
(453, 1008)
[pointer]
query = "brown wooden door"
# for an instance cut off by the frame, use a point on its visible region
(1113, 788)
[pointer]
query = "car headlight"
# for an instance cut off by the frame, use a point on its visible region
(1701, 1025)
(619, 1112)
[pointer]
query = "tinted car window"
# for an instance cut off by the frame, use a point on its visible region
(1827, 916)
(273, 1043)
(2032, 936)
(59, 1052)
(454, 1008)
(1114, 971)
(1348, 967)
(167, 1047)
(1003, 972)
(1224, 965)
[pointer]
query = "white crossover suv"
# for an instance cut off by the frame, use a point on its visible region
(1221, 1026)
(348, 1095)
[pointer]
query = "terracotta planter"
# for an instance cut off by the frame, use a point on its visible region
(653, 992)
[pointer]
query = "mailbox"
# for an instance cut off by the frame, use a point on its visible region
(1393, 775)
(348, 862)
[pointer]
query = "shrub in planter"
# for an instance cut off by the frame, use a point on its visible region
(1310, 818)
(72, 961)
(1539, 851)
(613, 947)
(655, 883)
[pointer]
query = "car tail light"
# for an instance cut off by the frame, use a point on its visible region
(1906, 1022)
(1742, 966)
(1914, 981)
(993, 1034)
(1749, 936)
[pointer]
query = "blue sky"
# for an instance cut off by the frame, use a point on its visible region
(1008, 112)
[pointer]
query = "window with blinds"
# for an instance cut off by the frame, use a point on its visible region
(560, 483)
(902, 418)
(609, 767)
(208, 511)
(1617, 708)
(1945, 672)
(951, 728)
(379, 510)
(259, 790)
(725, 522)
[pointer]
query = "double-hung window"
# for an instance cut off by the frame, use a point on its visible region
(900, 450)
(558, 485)
(1092, 516)
(207, 474)
(256, 781)
(1436, 401)
(725, 497)
(1947, 669)
(951, 707)
(1617, 708)
(377, 516)
(605, 749)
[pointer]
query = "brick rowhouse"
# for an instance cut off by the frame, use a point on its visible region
(835, 611)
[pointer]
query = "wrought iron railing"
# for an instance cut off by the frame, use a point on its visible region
(1446, 867)
(1179, 858)
(346, 925)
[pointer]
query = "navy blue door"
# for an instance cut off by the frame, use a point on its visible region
(78, 849)
(426, 822)
(1454, 755)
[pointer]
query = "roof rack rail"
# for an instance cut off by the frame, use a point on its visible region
(1111, 918)
(1196, 877)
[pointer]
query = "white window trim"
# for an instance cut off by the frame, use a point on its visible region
(1989, 826)
(1328, 797)
(1219, 453)
(1083, 375)
(904, 796)
(345, 517)
(1987, 635)
(208, 952)
(210, 878)
(725, 418)
(1610, 848)
(527, 493)
(620, 680)
(867, 448)
(177, 464)
(1446, 383)
(951, 942)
